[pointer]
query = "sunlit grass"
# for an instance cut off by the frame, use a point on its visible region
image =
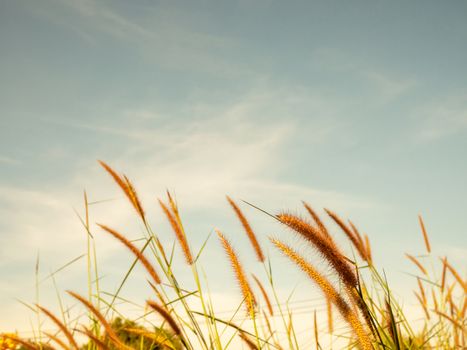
(353, 286)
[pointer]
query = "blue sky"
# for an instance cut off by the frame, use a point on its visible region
(358, 106)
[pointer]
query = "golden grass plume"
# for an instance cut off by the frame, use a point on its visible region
(265, 294)
(166, 316)
(179, 233)
(417, 263)
(240, 275)
(249, 231)
(330, 252)
(249, 343)
(353, 235)
(98, 342)
(329, 292)
(60, 325)
(127, 187)
(425, 235)
(108, 328)
(144, 261)
(57, 340)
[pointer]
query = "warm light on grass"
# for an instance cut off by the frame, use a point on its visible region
(352, 287)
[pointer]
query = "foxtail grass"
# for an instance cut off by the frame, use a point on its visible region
(240, 275)
(248, 230)
(351, 286)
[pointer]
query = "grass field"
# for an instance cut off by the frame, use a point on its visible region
(354, 290)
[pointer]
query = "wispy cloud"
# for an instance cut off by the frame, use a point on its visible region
(8, 160)
(202, 160)
(441, 118)
(163, 35)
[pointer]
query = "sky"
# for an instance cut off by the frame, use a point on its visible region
(358, 106)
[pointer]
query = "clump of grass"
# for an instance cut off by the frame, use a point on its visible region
(352, 286)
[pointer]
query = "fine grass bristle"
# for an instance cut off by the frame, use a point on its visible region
(456, 275)
(127, 187)
(361, 243)
(422, 291)
(450, 319)
(249, 343)
(166, 316)
(330, 252)
(60, 325)
(99, 343)
(110, 332)
(179, 233)
(56, 339)
(423, 305)
(329, 292)
(317, 221)
(425, 235)
(368, 250)
(265, 294)
(354, 237)
(417, 263)
(249, 231)
(240, 275)
(144, 261)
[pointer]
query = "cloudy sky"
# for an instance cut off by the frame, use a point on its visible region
(357, 106)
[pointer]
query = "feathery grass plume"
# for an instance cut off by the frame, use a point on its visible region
(450, 319)
(127, 187)
(416, 262)
(435, 301)
(245, 288)
(329, 312)
(317, 221)
(144, 261)
(108, 328)
(265, 294)
(456, 275)
(57, 340)
(166, 316)
(181, 237)
(368, 249)
(251, 345)
(425, 235)
(173, 206)
(329, 291)
(358, 244)
(423, 304)
(361, 242)
(249, 231)
(60, 325)
(443, 273)
(447, 298)
(333, 256)
(453, 307)
(331, 253)
(422, 291)
(99, 343)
